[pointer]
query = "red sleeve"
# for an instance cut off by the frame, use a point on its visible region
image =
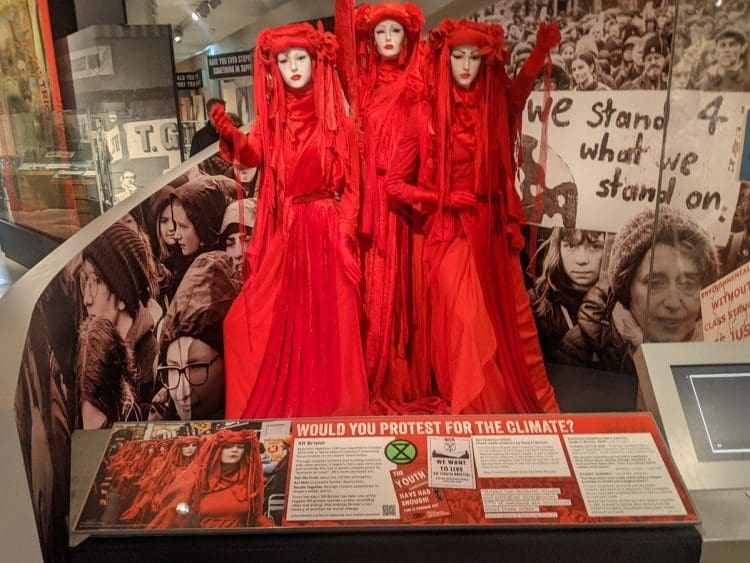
(346, 56)
(402, 177)
(251, 151)
(350, 195)
(521, 86)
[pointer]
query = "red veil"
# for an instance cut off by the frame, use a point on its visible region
(292, 336)
(494, 123)
(270, 108)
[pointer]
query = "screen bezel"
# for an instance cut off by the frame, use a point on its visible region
(655, 362)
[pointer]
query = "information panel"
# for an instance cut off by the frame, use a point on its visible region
(557, 470)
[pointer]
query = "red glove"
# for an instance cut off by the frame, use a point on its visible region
(231, 139)
(349, 262)
(547, 36)
(462, 200)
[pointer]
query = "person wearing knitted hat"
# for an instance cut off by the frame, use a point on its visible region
(236, 230)
(655, 52)
(484, 345)
(222, 488)
(105, 376)
(191, 364)
(628, 69)
(293, 345)
(614, 320)
(381, 61)
(114, 283)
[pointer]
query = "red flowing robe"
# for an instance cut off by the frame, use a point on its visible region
(223, 504)
(292, 343)
(485, 350)
(396, 345)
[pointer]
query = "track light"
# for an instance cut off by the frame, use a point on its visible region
(203, 9)
(194, 15)
(213, 4)
(178, 34)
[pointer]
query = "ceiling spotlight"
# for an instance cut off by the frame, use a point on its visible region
(195, 15)
(178, 34)
(203, 10)
(213, 4)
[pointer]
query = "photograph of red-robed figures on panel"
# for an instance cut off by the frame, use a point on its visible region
(198, 475)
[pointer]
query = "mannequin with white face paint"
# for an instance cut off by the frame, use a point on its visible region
(484, 347)
(295, 66)
(302, 260)
(466, 62)
(385, 83)
(389, 38)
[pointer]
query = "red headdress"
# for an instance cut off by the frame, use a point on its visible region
(271, 113)
(175, 461)
(366, 17)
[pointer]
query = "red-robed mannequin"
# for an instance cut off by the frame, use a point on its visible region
(180, 455)
(292, 342)
(380, 62)
(485, 350)
(222, 488)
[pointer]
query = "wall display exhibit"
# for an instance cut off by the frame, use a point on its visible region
(558, 470)
(165, 476)
(620, 222)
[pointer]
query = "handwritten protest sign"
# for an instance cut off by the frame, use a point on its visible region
(606, 146)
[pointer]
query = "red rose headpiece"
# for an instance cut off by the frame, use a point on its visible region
(409, 15)
(366, 17)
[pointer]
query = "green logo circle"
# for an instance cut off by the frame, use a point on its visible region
(401, 452)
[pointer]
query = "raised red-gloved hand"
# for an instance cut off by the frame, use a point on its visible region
(422, 196)
(349, 262)
(231, 139)
(548, 36)
(462, 200)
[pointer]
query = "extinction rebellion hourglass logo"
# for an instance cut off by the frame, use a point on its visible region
(400, 452)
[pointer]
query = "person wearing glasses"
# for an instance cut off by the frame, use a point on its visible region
(190, 373)
(114, 283)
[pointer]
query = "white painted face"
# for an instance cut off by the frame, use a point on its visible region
(295, 67)
(389, 38)
(465, 64)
